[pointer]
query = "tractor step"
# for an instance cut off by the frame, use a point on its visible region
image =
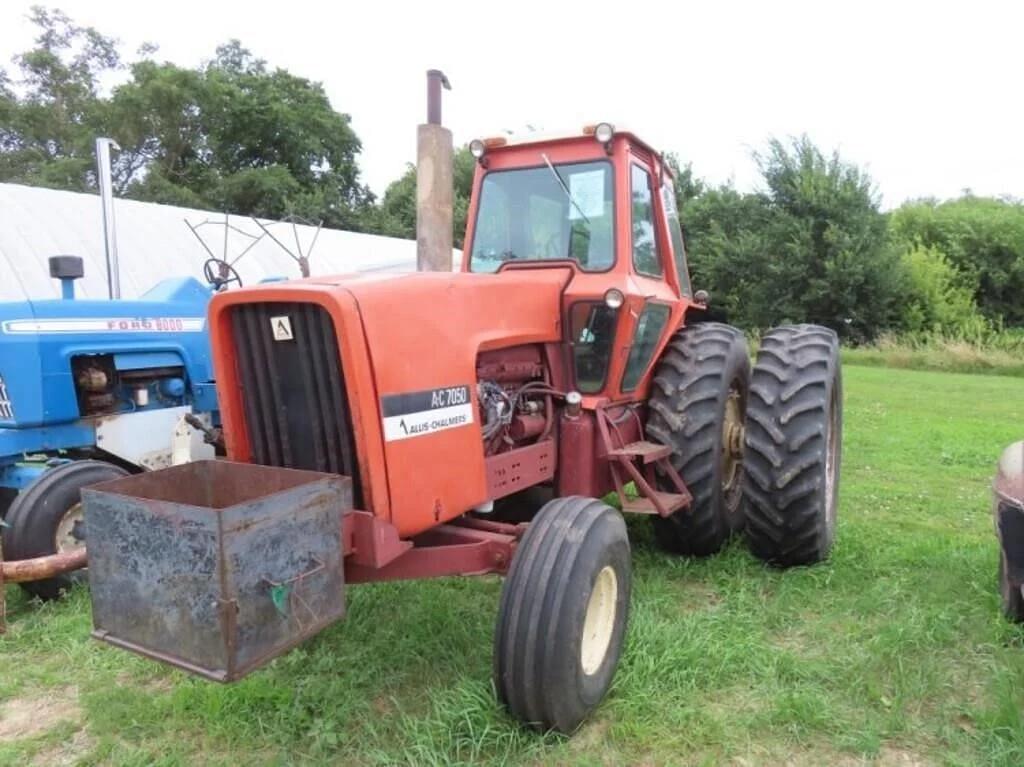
(671, 501)
(649, 452)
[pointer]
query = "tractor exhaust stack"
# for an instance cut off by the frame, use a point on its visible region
(106, 185)
(434, 185)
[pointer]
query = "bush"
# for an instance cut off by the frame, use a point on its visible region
(812, 247)
(983, 238)
(939, 299)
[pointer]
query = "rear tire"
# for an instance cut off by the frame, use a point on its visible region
(563, 614)
(794, 437)
(1010, 596)
(45, 518)
(697, 407)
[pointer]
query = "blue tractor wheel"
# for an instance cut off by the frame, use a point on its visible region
(7, 496)
(46, 518)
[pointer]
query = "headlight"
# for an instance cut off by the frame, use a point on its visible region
(603, 132)
(477, 148)
(614, 298)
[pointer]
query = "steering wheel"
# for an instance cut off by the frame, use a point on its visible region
(220, 274)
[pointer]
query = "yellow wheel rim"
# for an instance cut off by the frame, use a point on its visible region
(599, 622)
(732, 442)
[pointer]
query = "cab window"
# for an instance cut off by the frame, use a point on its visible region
(645, 245)
(549, 212)
(592, 325)
(675, 232)
(645, 342)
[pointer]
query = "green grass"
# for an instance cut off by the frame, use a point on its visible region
(893, 652)
(1002, 354)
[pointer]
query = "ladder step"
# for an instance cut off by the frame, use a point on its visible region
(671, 501)
(648, 451)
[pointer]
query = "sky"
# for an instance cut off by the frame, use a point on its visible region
(925, 95)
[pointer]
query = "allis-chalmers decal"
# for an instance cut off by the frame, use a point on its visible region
(415, 414)
(108, 325)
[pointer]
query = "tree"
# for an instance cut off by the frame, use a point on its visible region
(51, 115)
(982, 238)
(230, 135)
(236, 136)
(939, 299)
(397, 212)
(812, 246)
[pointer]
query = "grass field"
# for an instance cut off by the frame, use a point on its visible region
(891, 653)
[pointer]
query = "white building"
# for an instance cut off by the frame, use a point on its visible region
(154, 242)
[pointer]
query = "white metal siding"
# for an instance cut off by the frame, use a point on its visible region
(154, 243)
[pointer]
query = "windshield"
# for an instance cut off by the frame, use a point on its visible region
(553, 211)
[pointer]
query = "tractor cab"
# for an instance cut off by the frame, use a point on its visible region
(602, 203)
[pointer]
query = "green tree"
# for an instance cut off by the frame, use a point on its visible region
(812, 246)
(230, 135)
(50, 115)
(939, 298)
(239, 137)
(397, 211)
(983, 238)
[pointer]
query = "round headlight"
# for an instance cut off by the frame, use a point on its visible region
(477, 148)
(604, 132)
(614, 298)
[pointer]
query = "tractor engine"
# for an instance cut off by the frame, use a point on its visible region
(104, 388)
(515, 397)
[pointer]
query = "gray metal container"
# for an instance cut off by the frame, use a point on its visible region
(216, 567)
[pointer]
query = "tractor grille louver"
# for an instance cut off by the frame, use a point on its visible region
(293, 390)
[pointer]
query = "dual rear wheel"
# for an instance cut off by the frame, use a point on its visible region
(758, 449)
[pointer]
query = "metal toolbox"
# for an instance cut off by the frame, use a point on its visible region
(216, 567)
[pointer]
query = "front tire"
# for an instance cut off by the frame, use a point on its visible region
(46, 518)
(563, 614)
(794, 437)
(7, 496)
(697, 406)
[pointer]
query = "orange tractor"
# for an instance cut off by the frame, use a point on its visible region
(568, 354)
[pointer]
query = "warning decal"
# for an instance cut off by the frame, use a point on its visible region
(415, 414)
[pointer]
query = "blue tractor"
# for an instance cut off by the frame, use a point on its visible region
(94, 390)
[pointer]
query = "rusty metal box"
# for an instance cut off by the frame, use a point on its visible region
(216, 567)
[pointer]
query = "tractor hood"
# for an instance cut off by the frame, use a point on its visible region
(39, 338)
(408, 348)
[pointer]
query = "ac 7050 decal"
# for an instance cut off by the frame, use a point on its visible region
(415, 414)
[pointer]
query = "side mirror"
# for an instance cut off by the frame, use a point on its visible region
(702, 297)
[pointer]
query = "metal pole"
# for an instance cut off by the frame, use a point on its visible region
(434, 183)
(103, 146)
(435, 81)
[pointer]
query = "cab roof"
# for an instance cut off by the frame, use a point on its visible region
(509, 139)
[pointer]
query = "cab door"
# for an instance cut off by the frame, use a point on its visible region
(651, 309)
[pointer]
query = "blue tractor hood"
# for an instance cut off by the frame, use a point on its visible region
(38, 340)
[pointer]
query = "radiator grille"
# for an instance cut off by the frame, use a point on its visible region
(296, 407)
